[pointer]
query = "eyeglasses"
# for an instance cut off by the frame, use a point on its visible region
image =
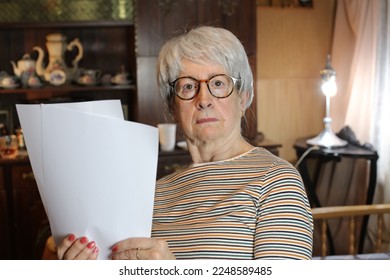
(220, 86)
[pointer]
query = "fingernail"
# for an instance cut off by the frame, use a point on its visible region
(91, 244)
(95, 250)
(115, 248)
(83, 240)
(71, 237)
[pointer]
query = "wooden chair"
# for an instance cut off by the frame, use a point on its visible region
(352, 212)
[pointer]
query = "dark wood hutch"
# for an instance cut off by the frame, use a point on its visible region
(108, 44)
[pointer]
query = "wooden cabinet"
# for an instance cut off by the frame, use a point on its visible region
(4, 234)
(155, 23)
(108, 45)
(22, 215)
(30, 217)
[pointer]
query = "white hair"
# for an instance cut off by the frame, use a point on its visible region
(204, 44)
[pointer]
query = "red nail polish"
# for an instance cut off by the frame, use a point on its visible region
(91, 245)
(115, 248)
(71, 237)
(95, 250)
(83, 240)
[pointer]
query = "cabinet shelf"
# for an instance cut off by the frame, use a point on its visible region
(69, 88)
(65, 24)
(109, 46)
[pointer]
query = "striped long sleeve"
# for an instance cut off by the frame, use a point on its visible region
(253, 206)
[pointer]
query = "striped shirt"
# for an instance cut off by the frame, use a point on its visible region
(252, 206)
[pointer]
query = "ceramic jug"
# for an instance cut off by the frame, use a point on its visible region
(57, 46)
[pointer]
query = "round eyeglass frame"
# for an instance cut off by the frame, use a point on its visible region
(235, 80)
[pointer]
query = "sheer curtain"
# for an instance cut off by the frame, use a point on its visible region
(361, 57)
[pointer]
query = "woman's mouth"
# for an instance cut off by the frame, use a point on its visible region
(206, 120)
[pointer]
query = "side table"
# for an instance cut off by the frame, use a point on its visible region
(324, 155)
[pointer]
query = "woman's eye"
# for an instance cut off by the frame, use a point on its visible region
(188, 87)
(218, 84)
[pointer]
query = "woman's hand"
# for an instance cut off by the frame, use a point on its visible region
(142, 249)
(77, 249)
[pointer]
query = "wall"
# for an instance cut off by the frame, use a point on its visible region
(292, 45)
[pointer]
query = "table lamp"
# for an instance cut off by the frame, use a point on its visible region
(327, 138)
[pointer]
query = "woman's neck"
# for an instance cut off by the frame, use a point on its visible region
(216, 151)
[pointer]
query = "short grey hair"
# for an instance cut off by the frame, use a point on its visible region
(204, 44)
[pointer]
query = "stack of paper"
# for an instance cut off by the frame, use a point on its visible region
(95, 172)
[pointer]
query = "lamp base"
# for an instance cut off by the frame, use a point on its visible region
(327, 139)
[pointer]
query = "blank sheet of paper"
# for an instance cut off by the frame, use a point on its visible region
(95, 171)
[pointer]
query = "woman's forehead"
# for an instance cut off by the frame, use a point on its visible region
(200, 69)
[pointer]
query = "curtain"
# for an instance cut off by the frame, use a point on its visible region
(361, 57)
(380, 128)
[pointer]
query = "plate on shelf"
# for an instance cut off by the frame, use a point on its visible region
(120, 80)
(11, 86)
(87, 80)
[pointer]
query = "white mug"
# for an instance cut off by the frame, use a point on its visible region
(167, 136)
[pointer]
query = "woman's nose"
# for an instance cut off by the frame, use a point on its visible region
(204, 98)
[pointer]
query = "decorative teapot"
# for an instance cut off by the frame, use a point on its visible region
(26, 64)
(56, 46)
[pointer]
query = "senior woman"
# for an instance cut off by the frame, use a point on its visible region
(235, 201)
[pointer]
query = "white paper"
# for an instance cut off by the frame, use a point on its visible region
(95, 171)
